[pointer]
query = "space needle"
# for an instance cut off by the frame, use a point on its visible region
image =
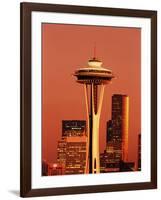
(94, 77)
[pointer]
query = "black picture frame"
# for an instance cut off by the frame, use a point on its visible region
(25, 84)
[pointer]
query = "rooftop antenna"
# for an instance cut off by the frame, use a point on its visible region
(94, 52)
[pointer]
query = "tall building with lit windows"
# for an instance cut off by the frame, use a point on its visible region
(109, 160)
(115, 156)
(61, 152)
(75, 155)
(71, 149)
(120, 124)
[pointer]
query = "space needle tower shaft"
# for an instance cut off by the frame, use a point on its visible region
(94, 78)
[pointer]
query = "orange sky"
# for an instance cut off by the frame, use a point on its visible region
(68, 47)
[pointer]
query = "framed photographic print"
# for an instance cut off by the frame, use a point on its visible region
(88, 99)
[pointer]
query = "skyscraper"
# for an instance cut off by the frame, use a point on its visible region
(139, 152)
(75, 155)
(120, 124)
(71, 149)
(115, 156)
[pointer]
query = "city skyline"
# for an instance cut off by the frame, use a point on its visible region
(59, 103)
(72, 148)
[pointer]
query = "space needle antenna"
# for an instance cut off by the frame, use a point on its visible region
(94, 51)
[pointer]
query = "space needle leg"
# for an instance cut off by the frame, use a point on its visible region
(87, 128)
(96, 111)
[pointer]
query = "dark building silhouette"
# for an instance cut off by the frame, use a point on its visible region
(45, 168)
(109, 161)
(139, 152)
(126, 166)
(109, 131)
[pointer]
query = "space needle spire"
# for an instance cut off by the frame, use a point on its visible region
(94, 77)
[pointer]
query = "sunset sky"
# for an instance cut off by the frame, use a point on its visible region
(66, 48)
